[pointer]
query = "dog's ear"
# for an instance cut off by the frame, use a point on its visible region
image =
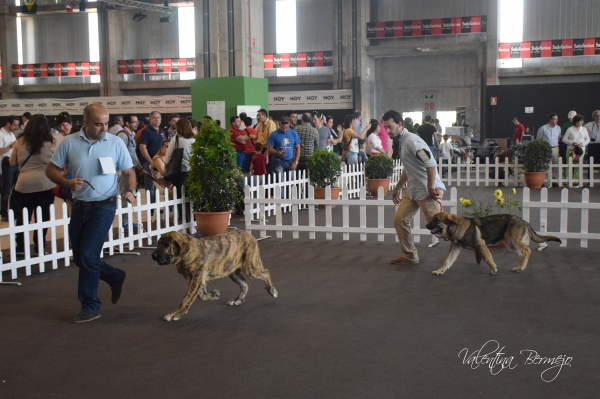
(181, 245)
(453, 218)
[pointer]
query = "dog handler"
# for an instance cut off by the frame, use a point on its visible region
(425, 189)
(93, 157)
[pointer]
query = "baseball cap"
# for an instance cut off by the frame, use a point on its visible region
(571, 114)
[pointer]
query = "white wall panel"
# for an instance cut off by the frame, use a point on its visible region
(401, 84)
(393, 10)
(150, 39)
(55, 38)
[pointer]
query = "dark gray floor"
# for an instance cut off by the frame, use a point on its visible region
(347, 324)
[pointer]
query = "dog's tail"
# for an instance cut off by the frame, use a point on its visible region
(535, 237)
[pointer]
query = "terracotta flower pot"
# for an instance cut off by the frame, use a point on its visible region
(320, 194)
(535, 179)
(374, 185)
(212, 223)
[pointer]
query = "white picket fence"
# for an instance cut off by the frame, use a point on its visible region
(478, 174)
(58, 232)
(459, 174)
(559, 211)
(360, 225)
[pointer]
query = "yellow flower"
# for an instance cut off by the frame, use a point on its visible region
(499, 200)
(514, 190)
(498, 193)
(465, 202)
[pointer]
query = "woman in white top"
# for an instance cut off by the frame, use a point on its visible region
(185, 138)
(31, 154)
(576, 136)
(374, 145)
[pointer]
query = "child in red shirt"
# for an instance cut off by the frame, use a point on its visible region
(258, 163)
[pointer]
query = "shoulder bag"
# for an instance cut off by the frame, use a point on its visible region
(173, 170)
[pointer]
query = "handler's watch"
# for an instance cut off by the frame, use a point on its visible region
(134, 192)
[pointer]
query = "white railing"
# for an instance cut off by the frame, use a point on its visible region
(358, 208)
(478, 174)
(120, 242)
(559, 211)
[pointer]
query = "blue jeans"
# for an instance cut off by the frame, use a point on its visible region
(9, 174)
(351, 157)
(89, 225)
(241, 160)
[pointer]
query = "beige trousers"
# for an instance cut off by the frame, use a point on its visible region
(404, 215)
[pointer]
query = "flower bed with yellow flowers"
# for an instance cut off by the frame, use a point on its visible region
(485, 207)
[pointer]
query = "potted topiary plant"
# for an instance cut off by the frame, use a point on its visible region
(378, 170)
(324, 169)
(211, 182)
(536, 162)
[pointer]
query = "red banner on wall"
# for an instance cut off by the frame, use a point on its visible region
(45, 70)
(549, 48)
(299, 60)
(426, 27)
(157, 65)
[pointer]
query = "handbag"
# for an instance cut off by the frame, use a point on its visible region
(173, 170)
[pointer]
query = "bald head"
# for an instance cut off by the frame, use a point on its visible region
(95, 122)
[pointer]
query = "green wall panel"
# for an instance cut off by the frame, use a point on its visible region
(234, 90)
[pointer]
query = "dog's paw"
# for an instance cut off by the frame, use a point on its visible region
(437, 272)
(272, 291)
(494, 271)
(235, 302)
(516, 269)
(172, 316)
(214, 295)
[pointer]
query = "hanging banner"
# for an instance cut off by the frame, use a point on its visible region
(550, 48)
(314, 100)
(157, 65)
(426, 27)
(57, 69)
(29, 7)
(114, 105)
(299, 60)
(278, 101)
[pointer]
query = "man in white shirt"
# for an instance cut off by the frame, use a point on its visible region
(593, 128)
(118, 126)
(7, 140)
(550, 133)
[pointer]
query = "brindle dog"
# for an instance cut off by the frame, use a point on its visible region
(210, 258)
(477, 233)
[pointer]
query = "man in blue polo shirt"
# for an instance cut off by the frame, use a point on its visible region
(284, 147)
(150, 142)
(93, 157)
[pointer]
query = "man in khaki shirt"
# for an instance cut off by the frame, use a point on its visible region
(264, 128)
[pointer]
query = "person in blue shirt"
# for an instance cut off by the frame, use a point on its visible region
(93, 156)
(284, 147)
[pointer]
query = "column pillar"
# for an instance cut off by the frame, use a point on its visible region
(248, 39)
(8, 49)
(492, 43)
(111, 49)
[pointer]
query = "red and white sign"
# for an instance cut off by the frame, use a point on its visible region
(426, 27)
(549, 48)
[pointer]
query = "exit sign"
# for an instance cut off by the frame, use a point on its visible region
(428, 96)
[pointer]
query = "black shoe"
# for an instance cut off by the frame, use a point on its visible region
(554, 184)
(84, 316)
(116, 290)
